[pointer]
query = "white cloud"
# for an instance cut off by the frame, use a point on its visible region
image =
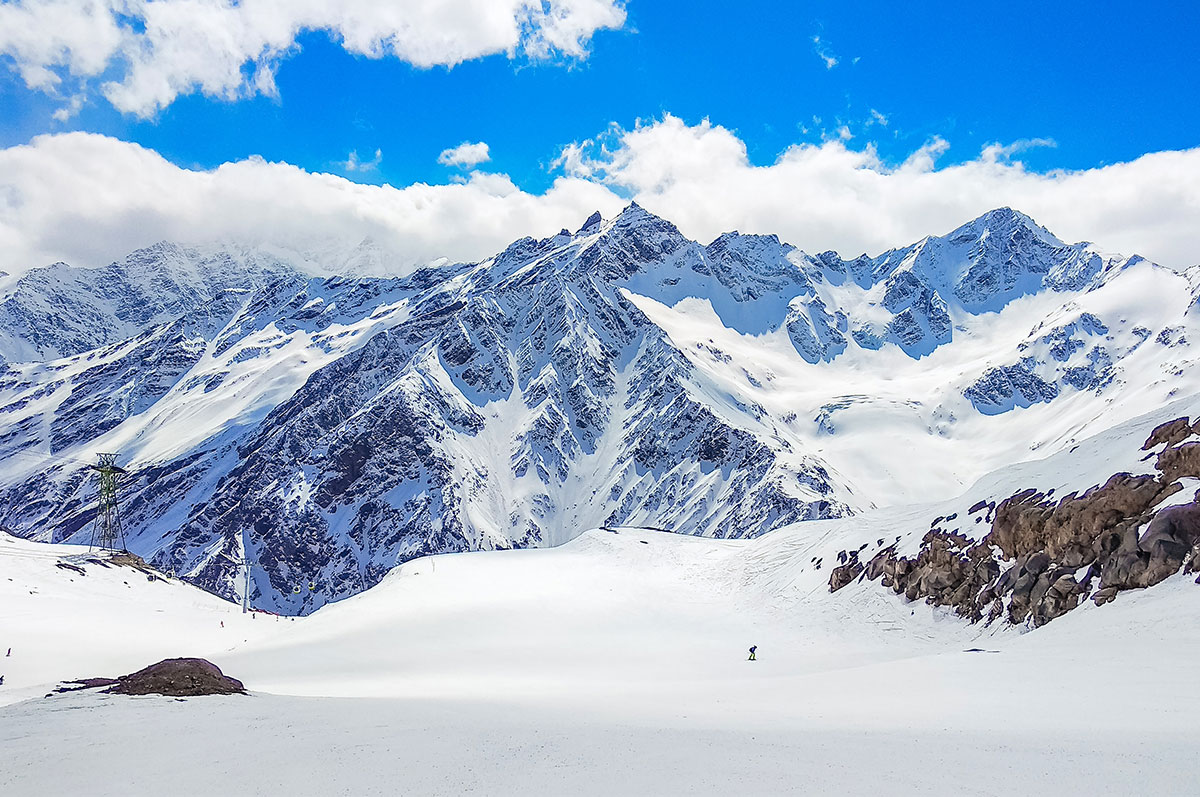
(829, 196)
(145, 53)
(1003, 152)
(354, 164)
(824, 53)
(89, 199)
(465, 154)
(73, 106)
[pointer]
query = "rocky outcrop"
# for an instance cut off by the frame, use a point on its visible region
(1172, 433)
(844, 574)
(1042, 557)
(1002, 389)
(178, 678)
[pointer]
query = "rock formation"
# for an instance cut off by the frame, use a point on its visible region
(1043, 557)
(178, 678)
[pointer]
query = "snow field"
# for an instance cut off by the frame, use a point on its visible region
(612, 665)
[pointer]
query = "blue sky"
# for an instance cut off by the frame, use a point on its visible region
(847, 126)
(1104, 85)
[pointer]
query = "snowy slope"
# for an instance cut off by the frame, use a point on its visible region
(329, 429)
(66, 612)
(616, 663)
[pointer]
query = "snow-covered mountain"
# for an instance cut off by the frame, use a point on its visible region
(327, 429)
(58, 310)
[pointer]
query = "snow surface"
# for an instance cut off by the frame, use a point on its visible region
(614, 664)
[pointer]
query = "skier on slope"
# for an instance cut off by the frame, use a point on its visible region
(752, 649)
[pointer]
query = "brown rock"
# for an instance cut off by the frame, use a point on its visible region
(1165, 548)
(1180, 461)
(1049, 541)
(844, 574)
(1171, 433)
(178, 678)
(879, 563)
(1067, 531)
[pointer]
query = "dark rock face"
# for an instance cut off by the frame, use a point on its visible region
(1077, 530)
(1179, 461)
(363, 467)
(1096, 374)
(1028, 567)
(1171, 541)
(178, 678)
(1001, 389)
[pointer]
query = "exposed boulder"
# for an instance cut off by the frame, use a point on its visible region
(843, 574)
(1078, 529)
(948, 571)
(178, 678)
(1180, 461)
(1168, 543)
(1172, 433)
(1028, 567)
(81, 684)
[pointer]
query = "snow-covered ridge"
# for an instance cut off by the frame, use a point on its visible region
(327, 429)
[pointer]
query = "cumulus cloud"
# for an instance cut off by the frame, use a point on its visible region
(465, 154)
(88, 199)
(832, 196)
(145, 53)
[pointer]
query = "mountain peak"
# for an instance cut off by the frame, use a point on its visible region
(593, 221)
(636, 216)
(633, 212)
(1003, 220)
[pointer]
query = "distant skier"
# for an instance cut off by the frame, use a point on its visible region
(753, 648)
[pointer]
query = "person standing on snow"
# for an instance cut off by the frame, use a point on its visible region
(752, 649)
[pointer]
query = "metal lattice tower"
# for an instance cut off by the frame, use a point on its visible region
(106, 529)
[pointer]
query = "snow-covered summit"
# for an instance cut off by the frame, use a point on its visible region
(60, 310)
